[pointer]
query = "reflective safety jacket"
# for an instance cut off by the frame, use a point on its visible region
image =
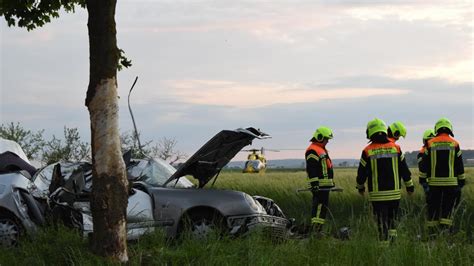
(392, 139)
(383, 165)
(442, 162)
(420, 162)
(318, 166)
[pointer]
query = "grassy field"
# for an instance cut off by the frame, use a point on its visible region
(61, 246)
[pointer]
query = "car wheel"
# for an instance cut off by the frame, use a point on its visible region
(10, 231)
(203, 225)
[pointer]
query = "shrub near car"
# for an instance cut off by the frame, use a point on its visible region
(163, 197)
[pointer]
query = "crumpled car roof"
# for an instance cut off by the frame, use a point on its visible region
(10, 161)
(12, 146)
(206, 163)
(209, 160)
(154, 172)
(12, 157)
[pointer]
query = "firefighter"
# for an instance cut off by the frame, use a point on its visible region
(382, 164)
(427, 135)
(320, 176)
(443, 168)
(396, 130)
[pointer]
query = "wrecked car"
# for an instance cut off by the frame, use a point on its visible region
(163, 197)
(19, 211)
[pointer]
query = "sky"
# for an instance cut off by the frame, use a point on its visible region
(286, 67)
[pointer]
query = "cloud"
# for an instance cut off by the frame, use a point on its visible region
(284, 29)
(458, 71)
(242, 95)
(286, 21)
(285, 66)
(445, 12)
(285, 41)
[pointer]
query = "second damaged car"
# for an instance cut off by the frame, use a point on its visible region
(162, 197)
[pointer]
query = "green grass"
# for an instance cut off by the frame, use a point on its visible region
(62, 246)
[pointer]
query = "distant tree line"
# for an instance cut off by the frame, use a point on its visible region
(70, 147)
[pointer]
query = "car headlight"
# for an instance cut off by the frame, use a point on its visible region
(254, 205)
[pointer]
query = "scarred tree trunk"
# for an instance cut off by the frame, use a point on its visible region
(109, 189)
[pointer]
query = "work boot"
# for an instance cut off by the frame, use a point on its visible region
(316, 230)
(392, 235)
(385, 243)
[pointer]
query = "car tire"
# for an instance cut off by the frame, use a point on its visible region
(10, 231)
(201, 225)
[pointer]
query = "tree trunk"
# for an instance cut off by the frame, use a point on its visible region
(109, 190)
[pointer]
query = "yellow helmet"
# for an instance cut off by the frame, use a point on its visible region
(428, 134)
(398, 129)
(321, 133)
(374, 126)
(444, 123)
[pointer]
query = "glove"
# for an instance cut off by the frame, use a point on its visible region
(314, 186)
(426, 188)
(410, 189)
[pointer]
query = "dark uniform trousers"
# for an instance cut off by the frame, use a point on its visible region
(386, 213)
(441, 166)
(441, 202)
(319, 208)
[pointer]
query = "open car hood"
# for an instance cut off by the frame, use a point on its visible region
(209, 160)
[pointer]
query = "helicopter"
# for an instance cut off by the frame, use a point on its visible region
(256, 161)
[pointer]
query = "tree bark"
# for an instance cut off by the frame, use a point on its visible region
(109, 184)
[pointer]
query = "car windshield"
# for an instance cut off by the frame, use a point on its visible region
(154, 172)
(42, 178)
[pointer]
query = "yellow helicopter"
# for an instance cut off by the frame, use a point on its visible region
(256, 161)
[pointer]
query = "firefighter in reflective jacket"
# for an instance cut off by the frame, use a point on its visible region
(382, 164)
(396, 130)
(443, 169)
(320, 175)
(427, 135)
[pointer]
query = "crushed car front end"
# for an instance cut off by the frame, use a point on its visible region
(16, 208)
(239, 212)
(276, 226)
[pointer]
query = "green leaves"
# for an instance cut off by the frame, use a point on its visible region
(31, 14)
(31, 142)
(123, 61)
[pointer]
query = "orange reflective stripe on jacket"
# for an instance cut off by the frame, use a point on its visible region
(319, 165)
(442, 161)
(382, 166)
(316, 146)
(381, 148)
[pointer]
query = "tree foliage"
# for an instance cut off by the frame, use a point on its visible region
(31, 14)
(164, 148)
(31, 142)
(36, 147)
(71, 148)
(129, 142)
